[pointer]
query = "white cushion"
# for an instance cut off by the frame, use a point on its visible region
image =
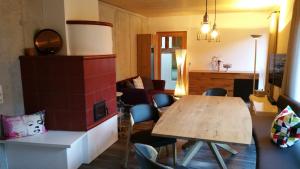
(138, 83)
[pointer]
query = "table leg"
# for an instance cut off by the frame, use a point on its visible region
(174, 154)
(227, 148)
(188, 144)
(217, 154)
(192, 152)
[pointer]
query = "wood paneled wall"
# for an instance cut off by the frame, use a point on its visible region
(126, 27)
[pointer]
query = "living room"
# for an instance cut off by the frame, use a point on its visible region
(127, 39)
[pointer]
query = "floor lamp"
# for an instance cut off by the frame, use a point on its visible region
(180, 59)
(255, 37)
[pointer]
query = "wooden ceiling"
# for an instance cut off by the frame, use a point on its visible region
(153, 8)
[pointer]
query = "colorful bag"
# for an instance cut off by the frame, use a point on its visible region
(285, 130)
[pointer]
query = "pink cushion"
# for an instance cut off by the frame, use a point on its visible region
(24, 125)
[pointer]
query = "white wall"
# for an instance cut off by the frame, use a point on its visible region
(54, 18)
(236, 46)
(20, 19)
(81, 10)
(126, 25)
(57, 12)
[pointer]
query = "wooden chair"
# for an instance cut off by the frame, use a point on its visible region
(147, 155)
(142, 113)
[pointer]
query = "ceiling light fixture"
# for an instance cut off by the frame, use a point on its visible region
(205, 26)
(214, 34)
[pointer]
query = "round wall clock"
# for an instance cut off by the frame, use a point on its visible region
(48, 41)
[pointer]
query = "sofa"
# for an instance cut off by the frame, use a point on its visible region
(269, 155)
(133, 96)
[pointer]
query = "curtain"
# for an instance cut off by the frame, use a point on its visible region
(273, 29)
(291, 81)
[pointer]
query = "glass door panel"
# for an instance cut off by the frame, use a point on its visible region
(168, 65)
(168, 71)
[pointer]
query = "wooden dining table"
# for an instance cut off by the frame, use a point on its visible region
(216, 120)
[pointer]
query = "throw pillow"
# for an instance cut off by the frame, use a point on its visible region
(285, 130)
(35, 123)
(129, 85)
(24, 125)
(1, 129)
(138, 83)
(13, 126)
(148, 84)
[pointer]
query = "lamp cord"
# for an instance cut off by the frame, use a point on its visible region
(215, 11)
(206, 6)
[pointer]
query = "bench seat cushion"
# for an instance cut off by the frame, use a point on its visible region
(269, 155)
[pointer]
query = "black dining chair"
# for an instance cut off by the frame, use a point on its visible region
(147, 155)
(215, 92)
(142, 113)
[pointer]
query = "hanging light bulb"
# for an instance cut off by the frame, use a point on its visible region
(205, 28)
(214, 33)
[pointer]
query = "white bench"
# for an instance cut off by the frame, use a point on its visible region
(54, 149)
(60, 149)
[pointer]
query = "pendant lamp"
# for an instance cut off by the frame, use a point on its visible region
(214, 34)
(205, 26)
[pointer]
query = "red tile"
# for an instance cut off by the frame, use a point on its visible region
(89, 117)
(75, 85)
(76, 102)
(90, 100)
(68, 87)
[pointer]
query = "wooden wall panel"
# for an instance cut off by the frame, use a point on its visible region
(135, 28)
(126, 26)
(123, 45)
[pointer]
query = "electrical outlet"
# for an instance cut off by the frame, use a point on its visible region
(1, 95)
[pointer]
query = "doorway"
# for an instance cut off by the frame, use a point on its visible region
(168, 42)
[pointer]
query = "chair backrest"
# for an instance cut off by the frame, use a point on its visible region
(143, 112)
(162, 100)
(284, 101)
(216, 92)
(146, 156)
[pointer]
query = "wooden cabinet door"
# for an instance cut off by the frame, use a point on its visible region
(144, 55)
(200, 82)
(198, 86)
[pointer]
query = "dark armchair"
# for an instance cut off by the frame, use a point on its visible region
(133, 96)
